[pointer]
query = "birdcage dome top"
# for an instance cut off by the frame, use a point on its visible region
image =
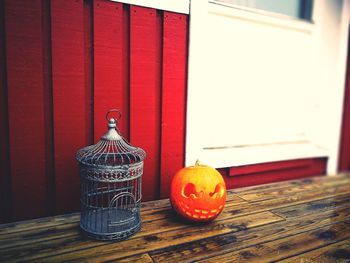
(112, 150)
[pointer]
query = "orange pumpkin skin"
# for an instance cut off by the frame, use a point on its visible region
(198, 193)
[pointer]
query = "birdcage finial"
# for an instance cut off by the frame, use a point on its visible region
(113, 132)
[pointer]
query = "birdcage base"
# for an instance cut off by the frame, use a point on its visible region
(107, 224)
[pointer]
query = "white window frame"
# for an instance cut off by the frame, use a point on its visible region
(325, 140)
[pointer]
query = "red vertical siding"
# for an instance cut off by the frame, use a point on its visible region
(344, 155)
(67, 29)
(173, 97)
(111, 69)
(25, 82)
(67, 63)
(145, 89)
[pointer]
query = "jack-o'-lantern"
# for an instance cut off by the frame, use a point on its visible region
(198, 192)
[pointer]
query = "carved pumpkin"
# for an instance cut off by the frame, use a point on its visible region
(198, 192)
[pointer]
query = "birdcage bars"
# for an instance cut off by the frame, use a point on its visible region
(111, 178)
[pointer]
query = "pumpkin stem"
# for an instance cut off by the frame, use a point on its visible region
(197, 163)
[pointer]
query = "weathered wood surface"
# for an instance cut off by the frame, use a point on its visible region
(296, 221)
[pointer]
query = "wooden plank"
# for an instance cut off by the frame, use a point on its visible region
(111, 65)
(294, 199)
(308, 187)
(337, 252)
(141, 258)
(161, 208)
(145, 85)
(242, 226)
(68, 80)
(70, 248)
(288, 246)
(149, 213)
(30, 238)
(17, 228)
(317, 205)
(5, 186)
(153, 222)
(325, 181)
(26, 84)
(174, 75)
(216, 245)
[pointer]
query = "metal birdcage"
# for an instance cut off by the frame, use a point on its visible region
(110, 183)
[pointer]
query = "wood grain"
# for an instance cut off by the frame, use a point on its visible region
(156, 241)
(153, 222)
(142, 258)
(291, 221)
(300, 223)
(336, 252)
(288, 246)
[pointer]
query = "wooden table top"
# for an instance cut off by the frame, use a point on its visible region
(295, 221)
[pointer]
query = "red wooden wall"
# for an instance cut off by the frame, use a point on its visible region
(64, 63)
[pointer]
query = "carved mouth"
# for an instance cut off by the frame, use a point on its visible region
(199, 213)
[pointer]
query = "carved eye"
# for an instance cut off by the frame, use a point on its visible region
(189, 191)
(218, 192)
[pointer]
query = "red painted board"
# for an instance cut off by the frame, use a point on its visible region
(317, 166)
(344, 155)
(271, 166)
(25, 79)
(111, 65)
(69, 105)
(174, 79)
(145, 89)
(5, 186)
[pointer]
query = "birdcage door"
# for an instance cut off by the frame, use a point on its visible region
(124, 204)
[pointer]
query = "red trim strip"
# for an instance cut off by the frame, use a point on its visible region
(280, 172)
(272, 166)
(344, 156)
